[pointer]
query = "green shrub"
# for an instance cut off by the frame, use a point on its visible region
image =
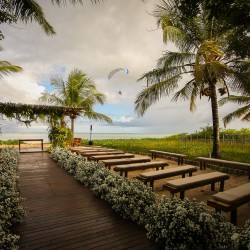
(11, 210)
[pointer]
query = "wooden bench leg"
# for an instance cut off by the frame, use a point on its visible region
(221, 186)
(182, 195)
(179, 161)
(234, 216)
(126, 174)
(212, 186)
(152, 184)
(183, 175)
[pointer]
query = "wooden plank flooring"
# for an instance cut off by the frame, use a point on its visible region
(63, 214)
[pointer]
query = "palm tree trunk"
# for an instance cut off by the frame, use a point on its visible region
(72, 118)
(216, 124)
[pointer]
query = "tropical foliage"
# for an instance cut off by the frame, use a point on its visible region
(174, 223)
(26, 11)
(78, 91)
(27, 113)
(234, 19)
(201, 57)
(243, 112)
(11, 210)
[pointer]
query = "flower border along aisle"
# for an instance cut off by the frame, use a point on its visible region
(11, 210)
(172, 223)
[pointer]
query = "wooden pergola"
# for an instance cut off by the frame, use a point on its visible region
(27, 113)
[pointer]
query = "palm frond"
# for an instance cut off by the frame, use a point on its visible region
(7, 68)
(243, 113)
(153, 93)
(186, 92)
(241, 100)
(92, 115)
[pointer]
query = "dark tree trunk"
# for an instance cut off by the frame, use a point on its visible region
(72, 118)
(216, 123)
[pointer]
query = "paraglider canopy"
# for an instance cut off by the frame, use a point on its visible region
(113, 72)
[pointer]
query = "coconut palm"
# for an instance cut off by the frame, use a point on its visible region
(243, 112)
(199, 57)
(79, 91)
(30, 10)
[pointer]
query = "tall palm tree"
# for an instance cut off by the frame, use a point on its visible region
(79, 91)
(29, 10)
(243, 112)
(199, 56)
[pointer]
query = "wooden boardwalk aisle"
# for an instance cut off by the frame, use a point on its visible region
(63, 214)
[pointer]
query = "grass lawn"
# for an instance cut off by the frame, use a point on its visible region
(229, 151)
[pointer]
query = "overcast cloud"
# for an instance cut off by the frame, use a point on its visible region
(97, 39)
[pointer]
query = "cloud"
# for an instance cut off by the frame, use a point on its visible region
(97, 38)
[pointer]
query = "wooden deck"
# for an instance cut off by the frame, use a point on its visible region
(63, 214)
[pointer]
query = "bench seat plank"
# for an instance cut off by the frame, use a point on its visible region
(139, 166)
(106, 157)
(181, 185)
(234, 164)
(180, 157)
(83, 151)
(166, 173)
(112, 162)
(230, 200)
(89, 154)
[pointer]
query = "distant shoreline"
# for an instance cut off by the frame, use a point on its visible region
(85, 136)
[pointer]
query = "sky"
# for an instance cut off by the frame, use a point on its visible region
(97, 38)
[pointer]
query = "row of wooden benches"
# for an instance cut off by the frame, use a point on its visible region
(126, 163)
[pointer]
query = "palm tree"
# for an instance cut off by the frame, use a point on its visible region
(243, 112)
(200, 57)
(78, 91)
(29, 10)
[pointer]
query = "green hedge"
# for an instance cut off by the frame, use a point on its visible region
(11, 210)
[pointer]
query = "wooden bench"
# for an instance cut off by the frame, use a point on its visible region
(80, 151)
(107, 157)
(181, 185)
(94, 153)
(180, 157)
(230, 200)
(23, 140)
(112, 162)
(139, 166)
(166, 173)
(234, 164)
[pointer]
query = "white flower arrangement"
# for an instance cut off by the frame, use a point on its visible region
(11, 210)
(173, 223)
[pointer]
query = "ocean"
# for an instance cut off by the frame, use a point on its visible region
(95, 136)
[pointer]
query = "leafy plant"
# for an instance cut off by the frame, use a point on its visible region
(11, 210)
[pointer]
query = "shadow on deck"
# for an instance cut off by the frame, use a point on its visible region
(63, 214)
